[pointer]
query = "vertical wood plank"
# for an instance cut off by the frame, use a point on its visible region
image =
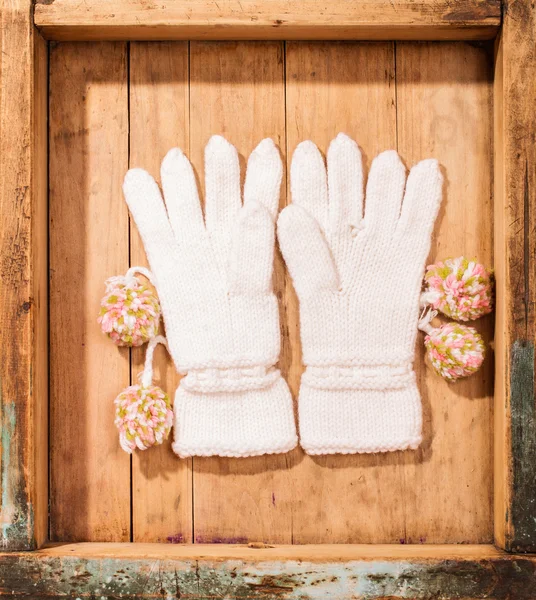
(444, 108)
(333, 87)
(237, 90)
(159, 120)
(23, 280)
(90, 474)
(515, 215)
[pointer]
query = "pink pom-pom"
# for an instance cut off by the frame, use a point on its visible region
(143, 416)
(455, 350)
(459, 288)
(130, 311)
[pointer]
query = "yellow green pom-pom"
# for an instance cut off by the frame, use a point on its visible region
(130, 312)
(455, 350)
(461, 289)
(143, 416)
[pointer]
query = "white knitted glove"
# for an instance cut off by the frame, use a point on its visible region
(214, 281)
(358, 280)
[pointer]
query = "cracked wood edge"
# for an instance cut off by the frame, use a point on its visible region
(23, 280)
(272, 19)
(299, 572)
(515, 225)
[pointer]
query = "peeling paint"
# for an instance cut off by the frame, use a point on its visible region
(498, 578)
(522, 536)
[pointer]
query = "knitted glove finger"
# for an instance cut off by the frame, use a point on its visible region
(263, 177)
(421, 204)
(306, 252)
(222, 185)
(385, 189)
(308, 182)
(252, 251)
(181, 197)
(147, 207)
(345, 182)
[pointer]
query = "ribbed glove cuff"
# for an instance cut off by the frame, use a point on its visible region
(225, 416)
(369, 418)
(210, 381)
(371, 377)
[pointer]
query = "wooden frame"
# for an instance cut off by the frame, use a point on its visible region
(28, 567)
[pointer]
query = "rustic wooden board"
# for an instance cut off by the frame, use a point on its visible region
(334, 87)
(346, 87)
(269, 19)
(237, 90)
(90, 474)
(429, 99)
(23, 281)
(515, 180)
(159, 120)
(444, 110)
(289, 573)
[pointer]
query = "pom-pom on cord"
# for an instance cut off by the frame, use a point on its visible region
(461, 289)
(143, 413)
(454, 350)
(130, 311)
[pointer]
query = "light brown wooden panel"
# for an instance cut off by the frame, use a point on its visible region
(268, 19)
(23, 280)
(237, 90)
(445, 110)
(333, 87)
(443, 104)
(515, 215)
(90, 474)
(159, 120)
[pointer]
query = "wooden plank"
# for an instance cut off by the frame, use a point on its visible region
(331, 88)
(515, 215)
(237, 90)
(444, 110)
(270, 19)
(23, 280)
(159, 120)
(288, 573)
(90, 474)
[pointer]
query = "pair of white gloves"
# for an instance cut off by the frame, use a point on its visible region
(357, 271)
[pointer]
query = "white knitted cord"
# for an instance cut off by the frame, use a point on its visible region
(358, 279)
(214, 281)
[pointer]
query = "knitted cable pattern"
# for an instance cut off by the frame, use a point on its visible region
(358, 273)
(213, 276)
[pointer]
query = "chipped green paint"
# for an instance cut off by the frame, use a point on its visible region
(36, 576)
(522, 534)
(16, 513)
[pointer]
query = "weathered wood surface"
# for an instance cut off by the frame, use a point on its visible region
(237, 90)
(436, 101)
(299, 573)
(90, 474)
(515, 218)
(268, 19)
(23, 280)
(159, 120)
(444, 110)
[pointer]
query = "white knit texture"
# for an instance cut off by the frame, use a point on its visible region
(214, 280)
(358, 276)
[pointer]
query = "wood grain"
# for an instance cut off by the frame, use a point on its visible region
(237, 90)
(269, 19)
(159, 120)
(291, 573)
(90, 474)
(444, 110)
(346, 87)
(23, 280)
(515, 180)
